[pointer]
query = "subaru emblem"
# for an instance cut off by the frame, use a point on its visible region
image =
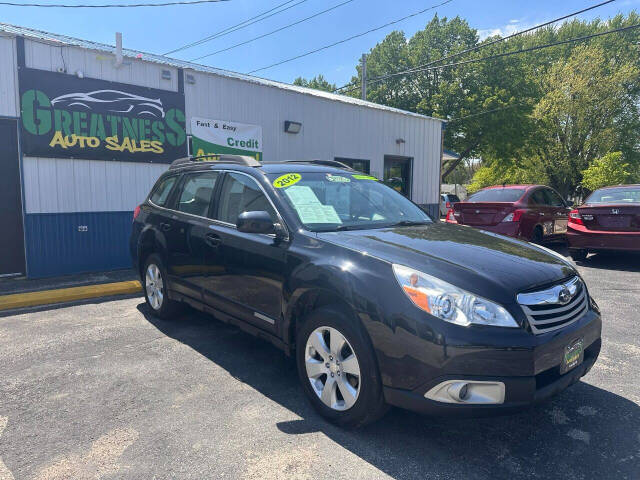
(615, 211)
(564, 296)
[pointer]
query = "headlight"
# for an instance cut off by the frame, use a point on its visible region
(450, 303)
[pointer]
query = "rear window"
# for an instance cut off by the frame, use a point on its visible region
(615, 195)
(453, 198)
(161, 192)
(497, 195)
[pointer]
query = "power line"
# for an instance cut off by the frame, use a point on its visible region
(506, 54)
(111, 5)
(350, 38)
(234, 28)
(272, 32)
(493, 42)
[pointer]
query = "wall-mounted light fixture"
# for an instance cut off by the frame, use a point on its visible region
(292, 127)
(400, 141)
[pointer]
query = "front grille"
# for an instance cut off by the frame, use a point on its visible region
(546, 311)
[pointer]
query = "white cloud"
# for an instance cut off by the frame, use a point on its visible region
(510, 28)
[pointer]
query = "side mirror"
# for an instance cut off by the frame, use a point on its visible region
(255, 222)
(569, 203)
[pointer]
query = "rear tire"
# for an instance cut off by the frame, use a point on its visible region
(155, 288)
(347, 392)
(536, 236)
(578, 255)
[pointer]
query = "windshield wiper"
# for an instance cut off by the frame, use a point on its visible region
(409, 223)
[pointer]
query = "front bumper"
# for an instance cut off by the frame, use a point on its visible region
(581, 237)
(533, 372)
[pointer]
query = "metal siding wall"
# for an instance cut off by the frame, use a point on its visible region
(63, 194)
(57, 185)
(98, 65)
(329, 128)
(8, 78)
(56, 247)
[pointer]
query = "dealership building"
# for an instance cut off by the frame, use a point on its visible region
(87, 128)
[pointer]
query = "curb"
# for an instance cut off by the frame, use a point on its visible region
(64, 295)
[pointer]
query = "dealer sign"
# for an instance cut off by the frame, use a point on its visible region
(64, 116)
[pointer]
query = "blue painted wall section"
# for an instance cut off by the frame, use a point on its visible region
(55, 246)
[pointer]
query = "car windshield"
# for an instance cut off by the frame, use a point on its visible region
(615, 195)
(345, 201)
(497, 195)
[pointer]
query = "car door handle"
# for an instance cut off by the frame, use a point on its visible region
(213, 240)
(165, 227)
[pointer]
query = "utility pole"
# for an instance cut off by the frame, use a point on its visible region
(364, 76)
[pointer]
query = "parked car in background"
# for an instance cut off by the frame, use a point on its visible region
(530, 212)
(446, 202)
(609, 219)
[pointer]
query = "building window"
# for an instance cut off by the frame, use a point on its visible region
(358, 164)
(397, 174)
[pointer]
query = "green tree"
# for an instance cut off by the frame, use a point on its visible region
(319, 83)
(588, 110)
(605, 171)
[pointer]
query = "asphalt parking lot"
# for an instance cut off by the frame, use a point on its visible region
(104, 390)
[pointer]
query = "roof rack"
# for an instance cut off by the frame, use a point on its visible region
(327, 163)
(219, 158)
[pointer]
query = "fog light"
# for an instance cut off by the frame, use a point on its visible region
(472, 392)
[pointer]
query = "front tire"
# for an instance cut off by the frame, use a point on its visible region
(337, 368)
(155, 288)
(578, 255)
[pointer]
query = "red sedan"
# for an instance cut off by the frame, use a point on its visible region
(530, 212)
(609, 219)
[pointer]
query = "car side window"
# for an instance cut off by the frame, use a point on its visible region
(161, 193)
(553, 198)
(538, 198)
(240, 194)
(196, 193)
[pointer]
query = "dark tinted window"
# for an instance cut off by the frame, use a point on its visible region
(241, 193)
(360, 165)
(196, 194)
(553, 198)
(539, 198)
(453, 198)
(497, 195)
(161, 192)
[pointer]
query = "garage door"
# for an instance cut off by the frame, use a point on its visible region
(11, 229)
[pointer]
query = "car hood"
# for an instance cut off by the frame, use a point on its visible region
(472, 259)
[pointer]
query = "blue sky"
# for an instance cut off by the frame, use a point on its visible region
(158, 30)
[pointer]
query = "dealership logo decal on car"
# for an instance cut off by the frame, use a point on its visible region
(615, 211)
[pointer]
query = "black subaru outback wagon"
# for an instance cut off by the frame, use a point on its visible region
(380, 304)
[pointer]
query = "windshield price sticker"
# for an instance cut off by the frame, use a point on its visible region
(365, 177)
(287, 180)
(337, 178)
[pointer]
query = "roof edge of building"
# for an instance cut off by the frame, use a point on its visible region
(54, 38)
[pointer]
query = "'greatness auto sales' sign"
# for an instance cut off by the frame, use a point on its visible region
(65, 116)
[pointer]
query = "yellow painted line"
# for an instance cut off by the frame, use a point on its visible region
(63, 295)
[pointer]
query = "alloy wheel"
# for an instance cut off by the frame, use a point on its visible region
(332, 368)
(154, 286)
